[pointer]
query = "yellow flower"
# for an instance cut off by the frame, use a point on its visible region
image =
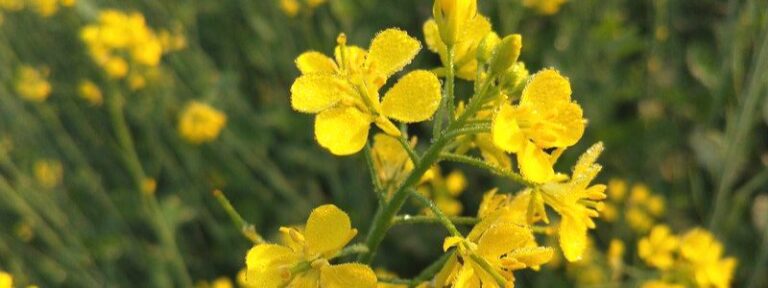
(660, 284)
(344, 93)
(32, 84)
(290, 7)
(303, 260)
(315, 3)
(704, 252)
(390, 160)
(576, 201)
(546, 7)
(90, 92)
(504, 246)
(444, 191)
(465, 48)
(657, 249)
(617, 189)
(545, 118)
(452, 18)
(199, 122)
(615, 254)
(637, 219)
(48, 173)
(6, 280)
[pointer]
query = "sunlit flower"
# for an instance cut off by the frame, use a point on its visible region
(199, 122)
(345, 93)
(465, 49)
(6, 280)
(90, 92)
(48, 173)
(444, 190)
(545, 118)
(303, 260)
(32, 84)
(546, 7)
(452, 18)
(704, 252)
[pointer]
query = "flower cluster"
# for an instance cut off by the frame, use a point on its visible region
(693, 259)
(32, 84)
(294, 7)
(44, 8)
(641, 208)
(125, 47)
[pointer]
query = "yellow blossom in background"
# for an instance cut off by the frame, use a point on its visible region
(48, 173)
(545, 118)
(444, 190)
(390, 160)
(32, 84)
(90, 92)
(6, 280)
(303, 260)
(315, 3)
(660, 284)
(221, 282)
(199, 122)
(700, 248)
(657, 249)
(576, 201)
(290, 7)
(344, 93)
(546, 7)
(116, 35)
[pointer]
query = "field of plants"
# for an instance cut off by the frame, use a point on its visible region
(384, 143)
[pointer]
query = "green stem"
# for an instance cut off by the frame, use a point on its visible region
(407, 147)
(423, 219)
(474, 129)
(446, 103)
(485, 165)
(248, 230)
(432, 269)
(378, 189)
(444, 220)
(352, 249)
(487, 267)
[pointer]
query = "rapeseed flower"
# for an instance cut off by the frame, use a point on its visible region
(657, 249)
(32, 84)
(48, 173)
(303, 260)
(6, 280)
(545, 118)
(546, 7)
(504, 246)
(476, 30)
(452, 18)
(199, 122)
(390, 160)
(90, 92)
(704, 253)
(344, 93)
(444, 190)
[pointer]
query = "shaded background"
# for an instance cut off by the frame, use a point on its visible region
(675, 89)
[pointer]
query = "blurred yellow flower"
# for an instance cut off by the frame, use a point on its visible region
(290, 7)
(444, 191)
(344, 93)
(545, 118)
(660, 284)
(657, 249)
(32, 84)
(6, 280)
(303, 260)
(199, 122)
(546, 7)
(90, 92)
(704, 252)
(48, 173)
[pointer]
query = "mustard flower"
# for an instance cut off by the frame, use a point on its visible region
(545, 118)
(90, 92)
(660, 284)
(710, 269)
(290, 7)
(344, 93)
(48, 173)
(390, 160)
(465, 49)
(199, 122)
(303, 260)
(657, 249)
(504, 246)
(452, 18)
(444, 190)
(6, 280)
(575, 200)
(32, 84)
(546, 7)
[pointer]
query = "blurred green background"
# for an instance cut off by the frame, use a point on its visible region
(675, 88)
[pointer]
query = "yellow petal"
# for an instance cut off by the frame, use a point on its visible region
(308, 279)
(533, 256)
(506, 133)
(328, 230)
(315, 93)
(432, 36)
(571, 120)
(414, 98)
(350, 275)
(451, 242)
(342, 130)
(266, 263)
(534, 164)
(573, 237)
(315, 62)
(547, 89)
(390, 51)
(501, 239)
(354, 57)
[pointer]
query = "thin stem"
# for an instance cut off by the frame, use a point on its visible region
(408, 149)
(352, 249)
(395, 280)
(487, 267)
(423, 219)
(485, 165)
(446, 103)
(432, 269)
(473, 129)
(248, 230)
(378, 189)
(436, 210)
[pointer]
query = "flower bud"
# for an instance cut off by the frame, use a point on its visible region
(451, 15)
(506, 53)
